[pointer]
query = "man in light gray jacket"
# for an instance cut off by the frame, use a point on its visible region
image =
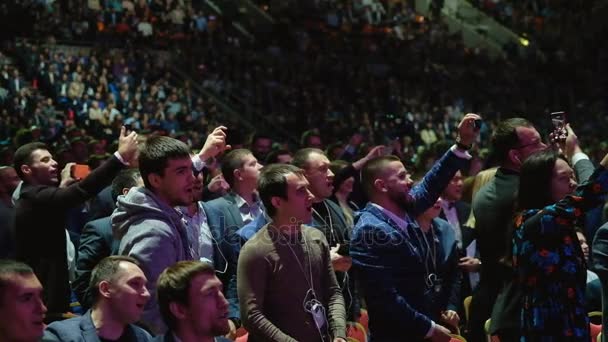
(149, 228)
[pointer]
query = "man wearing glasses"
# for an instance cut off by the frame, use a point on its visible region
(513, 141)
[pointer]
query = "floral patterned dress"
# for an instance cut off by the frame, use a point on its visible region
(550, 267)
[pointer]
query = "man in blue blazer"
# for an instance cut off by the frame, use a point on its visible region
(390, 268)
(232, 211)
(118, 286)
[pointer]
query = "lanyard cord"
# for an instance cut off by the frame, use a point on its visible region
(427, 254)
(331, 223)
(298, 260)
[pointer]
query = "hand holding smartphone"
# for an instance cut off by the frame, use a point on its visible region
(560, 133)
(80, 171)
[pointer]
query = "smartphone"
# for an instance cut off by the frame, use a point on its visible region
(558, 119)
(80, 171)
(477, 123)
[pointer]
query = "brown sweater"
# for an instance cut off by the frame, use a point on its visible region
(272, 286)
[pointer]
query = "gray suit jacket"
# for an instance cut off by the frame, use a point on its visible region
(224, 213)
(81, 329)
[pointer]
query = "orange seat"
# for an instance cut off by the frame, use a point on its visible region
(357, 331)
(242, 338)
(240, 332)
(364, 319)
(457, 338)
(595, 331)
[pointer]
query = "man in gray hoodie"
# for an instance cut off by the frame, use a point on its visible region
(150, 229)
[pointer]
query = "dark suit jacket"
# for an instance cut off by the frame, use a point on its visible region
(40, 225)
(96, 243)
(102, 205)
(82, 329)
(224, 213)
(7, 232)
(224, 219)
(390, 268)
(463, 209)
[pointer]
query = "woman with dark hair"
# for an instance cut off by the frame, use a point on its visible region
(549, 265)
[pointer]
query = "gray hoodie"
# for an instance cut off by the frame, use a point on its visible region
(152, 232)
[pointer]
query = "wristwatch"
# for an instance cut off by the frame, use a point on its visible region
(461, 145)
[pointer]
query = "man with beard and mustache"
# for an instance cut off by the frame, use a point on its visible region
(192, 303)
(388, 259)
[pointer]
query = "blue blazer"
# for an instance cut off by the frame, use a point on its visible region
(224, 219)
(96, 243)
(81, 329)
(388, 263)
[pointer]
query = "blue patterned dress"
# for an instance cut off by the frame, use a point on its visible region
(550, 267)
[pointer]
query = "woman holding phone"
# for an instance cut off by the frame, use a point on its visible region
(549, 265)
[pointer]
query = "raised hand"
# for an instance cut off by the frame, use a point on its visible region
(66, 176)
(127, 146)
(215, 143)
(467, 132)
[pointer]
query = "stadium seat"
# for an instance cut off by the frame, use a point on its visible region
(364, 319)
(595, 317)
(457, 338)
(240, 332)
(595, 331)
(467, 306)
(357, 331)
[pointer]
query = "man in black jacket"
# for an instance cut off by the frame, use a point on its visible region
(42, 208)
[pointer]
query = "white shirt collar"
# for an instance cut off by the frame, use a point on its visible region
(400, 222)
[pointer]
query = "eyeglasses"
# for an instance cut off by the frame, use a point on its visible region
(534, 143)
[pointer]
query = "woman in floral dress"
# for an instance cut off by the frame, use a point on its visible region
(550, 268)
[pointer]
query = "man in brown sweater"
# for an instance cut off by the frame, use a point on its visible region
(287, 288)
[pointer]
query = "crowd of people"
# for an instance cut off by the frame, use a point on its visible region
(132, 201)
(304, 247)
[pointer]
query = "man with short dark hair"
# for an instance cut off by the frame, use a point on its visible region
(278, 156)
(119, 293)
(513, 141)
(97, 240)
(150, 228)
(261, 145)
(22, 309)
(42, 210)
(192, 303)
(390, 260)
(286, 285)
(232, 211)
